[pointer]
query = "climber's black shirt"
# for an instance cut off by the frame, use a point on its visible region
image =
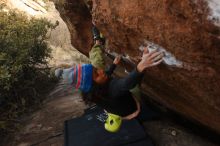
(115, 96)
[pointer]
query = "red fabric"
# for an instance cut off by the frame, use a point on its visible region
(79, 76)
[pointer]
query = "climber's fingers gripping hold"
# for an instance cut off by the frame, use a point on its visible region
(150, 59)
(156, 58)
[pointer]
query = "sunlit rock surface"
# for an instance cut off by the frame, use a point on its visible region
(59, 39)
(187, 30)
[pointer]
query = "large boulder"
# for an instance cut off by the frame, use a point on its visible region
(186, 30)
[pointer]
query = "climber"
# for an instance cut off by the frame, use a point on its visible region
(97, 86)
(114, 94)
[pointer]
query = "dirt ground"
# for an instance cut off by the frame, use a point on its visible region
(45, 126)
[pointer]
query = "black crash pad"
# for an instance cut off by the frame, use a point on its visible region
(88, 130)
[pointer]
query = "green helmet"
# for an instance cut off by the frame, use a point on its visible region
(113, 123)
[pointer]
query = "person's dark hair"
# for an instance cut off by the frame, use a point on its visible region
(96, 92)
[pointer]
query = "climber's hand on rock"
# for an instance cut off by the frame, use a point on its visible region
(145, 51)
(117, 60)
(150, 59)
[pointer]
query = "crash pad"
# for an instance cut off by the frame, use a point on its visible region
(88, 130)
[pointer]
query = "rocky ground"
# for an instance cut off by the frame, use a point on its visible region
(45, 126)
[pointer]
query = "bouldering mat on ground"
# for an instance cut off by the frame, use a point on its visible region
(88, 130)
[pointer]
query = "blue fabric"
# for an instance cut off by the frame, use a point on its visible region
(86, 81)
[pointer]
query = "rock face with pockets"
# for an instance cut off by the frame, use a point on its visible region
(188, 31)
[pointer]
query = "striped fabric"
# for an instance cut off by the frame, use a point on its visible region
(79, 76)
